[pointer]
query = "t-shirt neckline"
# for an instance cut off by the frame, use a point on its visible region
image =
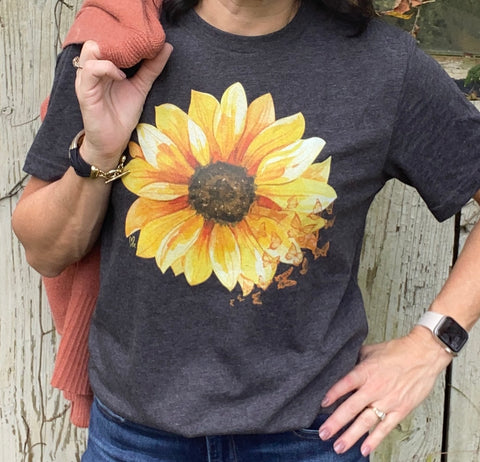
(247, 44)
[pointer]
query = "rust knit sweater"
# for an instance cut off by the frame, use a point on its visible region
(126, 31)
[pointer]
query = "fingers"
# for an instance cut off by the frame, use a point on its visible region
(90, 50)
(93, 67)
(351, 382)
(366, 421)
(390, 380)
(151, 69)
(379, 432)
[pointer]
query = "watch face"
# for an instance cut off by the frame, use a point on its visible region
(452, 334)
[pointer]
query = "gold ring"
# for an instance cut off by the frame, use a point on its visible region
(380, 414)
(76, 62)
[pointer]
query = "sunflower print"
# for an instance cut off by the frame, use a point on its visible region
(226, 189)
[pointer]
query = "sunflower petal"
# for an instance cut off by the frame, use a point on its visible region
(144, 210)
(146, 181)
(198, 265)
(229, 121)
(256, 266)
(246, 285)
(225, 255)
(154, 233)
(135, 150)
(173, 123)
(289, 163)
(260, 114)
(178, 266)
(301, 195)
(272, 231)
(276, 136)
(198, 143)
(163, 191)
(319, 171)
(203, 107)
(140, 173)
(163, 154)
(178, 241)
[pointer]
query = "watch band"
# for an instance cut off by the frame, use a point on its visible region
(85, 170)
(430, 320)
(81, 167)
(448, 333)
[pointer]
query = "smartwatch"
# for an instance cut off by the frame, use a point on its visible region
(451, 335)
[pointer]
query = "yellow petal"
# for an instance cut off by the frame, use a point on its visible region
(198, 266)
(173, 123)
(289, 163)
(154, 233)
(146, 181)
(178, 266)
(273, 232)
(225, 255)
(319, 171)
(203, 107)
(144, 210)
(229, 121)
(178, 241)
(260, 114)
(276, 136)
(301, 195)
(163, 154)
(163, 191)
(255, 266)
(135, 150)
(198, 143)
(246, 284)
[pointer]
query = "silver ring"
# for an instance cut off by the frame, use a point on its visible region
(76, 62)
(380, 414)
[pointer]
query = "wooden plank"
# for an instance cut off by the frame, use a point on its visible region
(33, 419)
(464, 412)
(405, 258)
(457, 66)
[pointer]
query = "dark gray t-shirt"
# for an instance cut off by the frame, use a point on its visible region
(229, 299)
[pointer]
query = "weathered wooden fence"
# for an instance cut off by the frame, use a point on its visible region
(398, 283)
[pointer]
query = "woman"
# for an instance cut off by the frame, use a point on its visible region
(229, 323)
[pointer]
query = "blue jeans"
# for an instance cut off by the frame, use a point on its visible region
(112, 438)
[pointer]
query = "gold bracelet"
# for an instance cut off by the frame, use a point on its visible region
(111, 175)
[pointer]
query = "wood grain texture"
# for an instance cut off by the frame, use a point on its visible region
(464, 409)
(34, 422)
(398, 281)
(405, 259)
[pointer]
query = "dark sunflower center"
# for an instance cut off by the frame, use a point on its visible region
(221, 192)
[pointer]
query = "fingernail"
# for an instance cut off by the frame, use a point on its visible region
(324, 434)
(366, 451)
(325, 402)
(339, 446)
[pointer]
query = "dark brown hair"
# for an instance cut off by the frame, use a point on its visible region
(358, 12)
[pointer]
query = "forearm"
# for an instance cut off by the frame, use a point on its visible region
(460, 296)
(59, 222)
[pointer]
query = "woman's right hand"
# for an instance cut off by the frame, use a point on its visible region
(110, 103)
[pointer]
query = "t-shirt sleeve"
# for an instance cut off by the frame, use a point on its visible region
(435, 144)
(47, 158)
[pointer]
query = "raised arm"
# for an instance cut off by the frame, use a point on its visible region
(59, 222)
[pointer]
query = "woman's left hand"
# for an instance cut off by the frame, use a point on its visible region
(394, 377)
